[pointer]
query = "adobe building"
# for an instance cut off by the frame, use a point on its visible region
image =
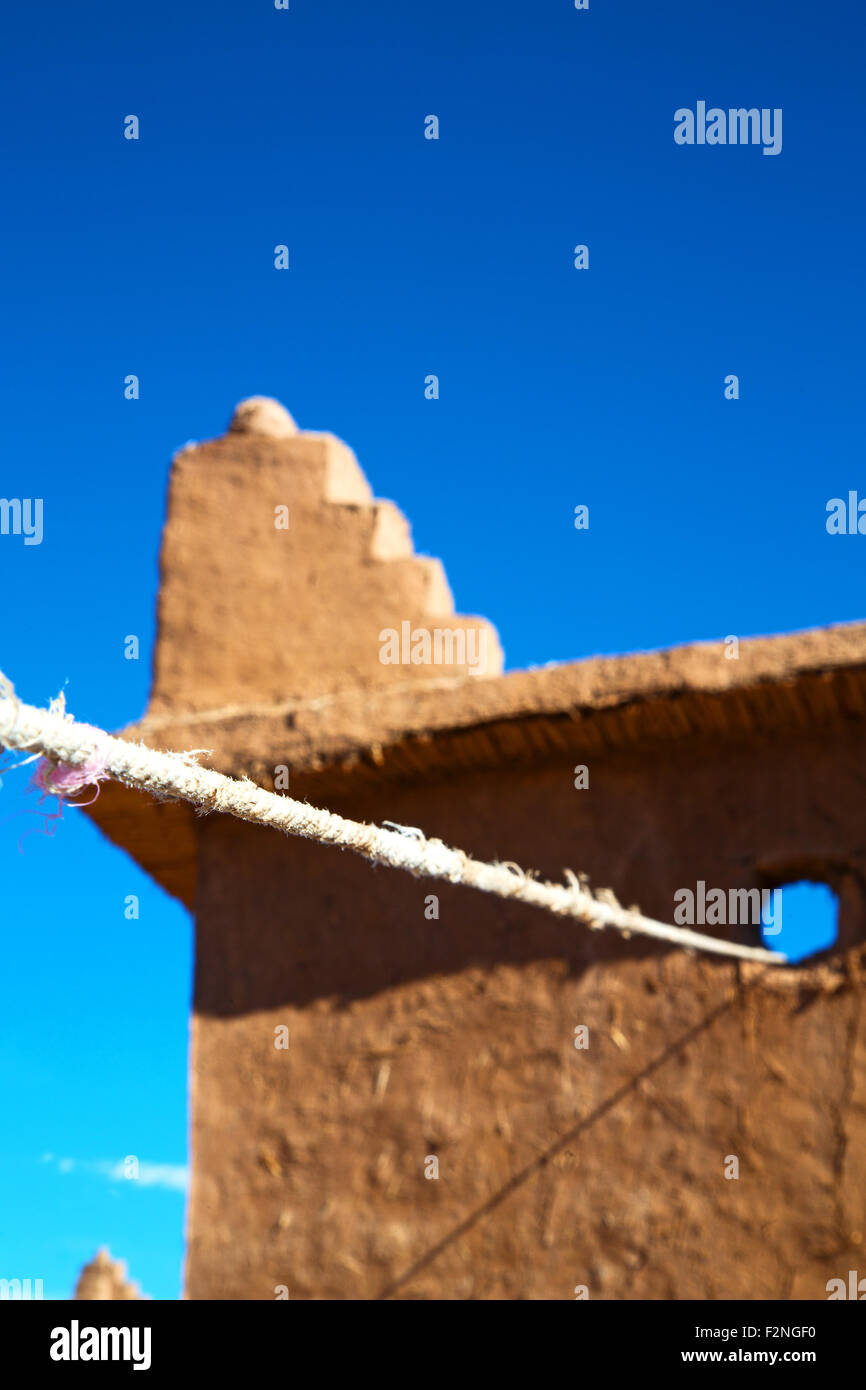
(390, 1092)
(105, 1280)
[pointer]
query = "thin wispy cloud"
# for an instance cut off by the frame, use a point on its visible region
(170, 1177)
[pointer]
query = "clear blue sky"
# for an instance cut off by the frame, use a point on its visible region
(408, 257)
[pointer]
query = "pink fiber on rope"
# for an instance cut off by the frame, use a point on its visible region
(64, 781)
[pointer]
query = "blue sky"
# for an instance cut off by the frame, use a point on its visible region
(408, 257)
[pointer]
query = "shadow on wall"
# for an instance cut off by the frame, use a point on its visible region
(288, 921)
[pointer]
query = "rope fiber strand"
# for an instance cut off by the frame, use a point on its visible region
(79, 755)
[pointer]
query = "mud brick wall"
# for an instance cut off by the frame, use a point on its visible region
(454, 1038)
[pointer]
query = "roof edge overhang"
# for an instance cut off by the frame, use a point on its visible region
(347, 739)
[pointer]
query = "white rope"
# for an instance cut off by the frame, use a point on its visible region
(81, 755)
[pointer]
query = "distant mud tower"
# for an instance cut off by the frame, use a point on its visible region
(104, 1280)
(404, 1089)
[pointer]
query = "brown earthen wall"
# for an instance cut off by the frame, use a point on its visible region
(454, 1037)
